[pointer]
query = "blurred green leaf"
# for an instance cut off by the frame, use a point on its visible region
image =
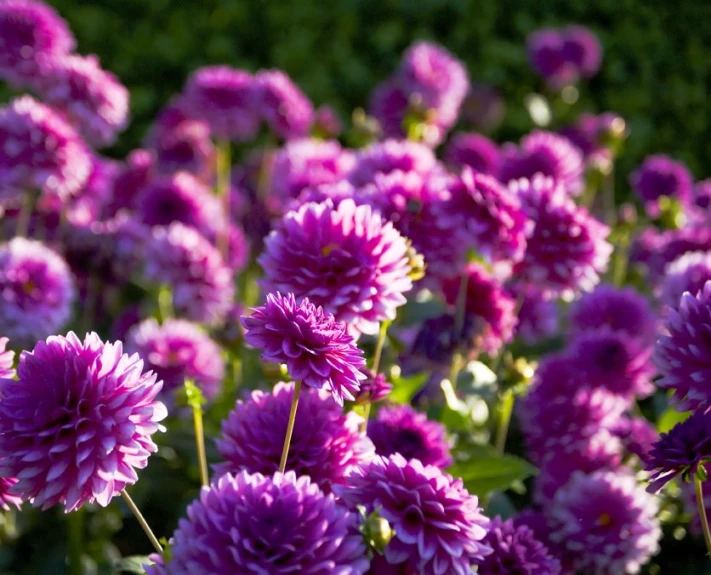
(487, 471)
(131, 565)
(670, 418)
(404, 388)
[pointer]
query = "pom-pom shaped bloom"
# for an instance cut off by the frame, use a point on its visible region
(487, 303)
(403, 430)
(582, 49)
(374, 388)
(637, 435)
(475, 151)
(178, 350)
(680, 452)
(77, 422)
(36, 291)
(484, 215)
(283, 106)
(622, 310)
(390, 156)
(344, 258)
(438, 525)
(40, 151)
(187, 147)
(683, 354)
(567, 249)
(688, 273)
(516, 551)
(30, 34)
(6, 360)
(223, 98)
(249, 523)
(92, 98)
(702, 194)
(659, 176)
(137, 170)
(314, 346)
(537, 316)
(596, 136)
(325, 445)
(544, 153)
(605, 522)
(179, 257)
(389, 105)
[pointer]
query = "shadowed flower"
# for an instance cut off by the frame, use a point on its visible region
(688, 273)
(474, 150)
(283, 106)
(390, 156)
(637, 435)
(538, 316)
(659, 176)
(187, 147)
(77, 422)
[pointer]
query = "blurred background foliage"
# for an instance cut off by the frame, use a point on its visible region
(656, 72)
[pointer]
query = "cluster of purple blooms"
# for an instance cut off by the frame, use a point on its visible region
(504, 243)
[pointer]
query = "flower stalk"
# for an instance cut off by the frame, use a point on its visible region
(290, 427)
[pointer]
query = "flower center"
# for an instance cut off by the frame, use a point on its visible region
(604, 520)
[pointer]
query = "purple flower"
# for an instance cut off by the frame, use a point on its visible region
(325, 445)
(487, 304)
(516, 551)
(688, 273)
(249, 523)
(28, 163)
(186, 147)
(702, 194)
(659, 176)
(179, 257)
(403, 430)
(438, 525)
(30, 34)
(637, 435)
(436, 342)
(327, 122)
(596, 136)
(374, 389)
(36, 291)
(93, 99)
(77, 422)
(90, 202)
(6, 360)
(683, 354)
(474, 150)
(314, 346)
(389, 105)
(622, 310)
(178, 350)
(223, 98)
(390, 156)
(680, 452)
(544, 153)
(483, 108)
(344, 258)
(567, 249)
(137, 170)
(283, 106)
(582, 49)
(537, 317)
(605, 522)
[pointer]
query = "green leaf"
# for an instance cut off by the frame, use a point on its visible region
(487, 471)
(670, 418)
(131, 565)
(404, 388)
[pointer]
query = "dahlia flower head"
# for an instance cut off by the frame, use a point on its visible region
(327, 122)
(659, 176)
(439, 527)
(40, 152)
(280, 524)
(485, 216)
(175, 351)
(374, 389)
(30, 34)
(401, 429)
(7, 357)
(622, 310)
(563, 56)
(475, 151)
(137, 170)
(683, 353)
(486, 303)
(516, 551)
(90, 202)
(345, 258)
(605, 522)
(390, 156)
(77, 422)
(596, 135)
(680, 452)
(545, 153)
(201, 282)
(567, 249)
(483, 108)
(187, 147)
(315, 347)
(702, 195)
(390, 106)
(637, 435)
(36, 291)
(224, 98)
(538, 317)
(286, 110)
(326, 443)
(93, 99)
(688, 273)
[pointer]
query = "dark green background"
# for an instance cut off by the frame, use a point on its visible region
(656, 69)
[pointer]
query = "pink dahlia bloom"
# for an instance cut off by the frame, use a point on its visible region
(224, 98)
(538, 315)
(92, 99)
(6, 360)
(40, 152)
(314, 346)
(390, 156)
(326, 443)
(659, 177)
(30, 34)
(475, 151)
(135, 172)
(78, 421)
(186, 147)
(439, 527)
(345, 258)
(283, 106)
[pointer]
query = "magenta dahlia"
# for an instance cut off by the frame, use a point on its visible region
(688, 273)
(186, 147)
(283, 106)
(475, 151)
(390, 156)
(661, 177)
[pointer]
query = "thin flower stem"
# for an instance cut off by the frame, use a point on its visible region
(502, 430)
(224, 164)
(200, 441)
(75, 539)
(459, 317)
(290, 427)
(165, 303)
(621, 260)
(702, 512)
(142, 520)
(23, 218)
(377, 355)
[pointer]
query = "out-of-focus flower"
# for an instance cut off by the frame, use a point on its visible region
(390, 156)
(538, 317)
(474, 150)
(327, 123)
(6, 360)
(688, 273)
(637, 435)
(483, 108)
(283, 106)
(374, 388)
(187, 147)
(661, 177)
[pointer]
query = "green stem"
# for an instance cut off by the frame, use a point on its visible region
(165, 303)
(619, 272)
(702, 512)
(502, 430)
(142, 521)
(224, 164)
(377, 355)
(23, 218)
(290, 427)
(608, 199)
(75, 535)
(200, 441)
